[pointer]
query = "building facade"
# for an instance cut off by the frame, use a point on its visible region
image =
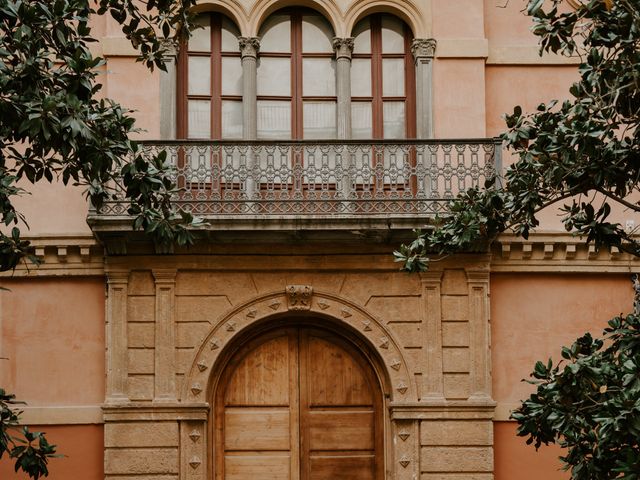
(313, 136)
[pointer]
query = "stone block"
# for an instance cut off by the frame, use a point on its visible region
(456, 476)
(235, 286)
(201, 309)
(362, 286)
(141, 309)
(455, 307)
(141, 477)
(455, 334)
(397, 309)
(408, 334)
(456, 459)
(455, 360)
(141, 461)
(184, 359)
(141, 283)
(189, 335)
(141, 335)
(141, 434)
(456, 432)
(141, 360)
(140, 387)
(457, 386)
(454, 282)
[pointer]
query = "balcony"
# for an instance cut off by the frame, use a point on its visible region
(316, 185)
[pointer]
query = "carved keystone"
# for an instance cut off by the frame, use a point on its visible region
(299, 297)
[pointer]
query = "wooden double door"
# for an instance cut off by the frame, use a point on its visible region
(298, 404)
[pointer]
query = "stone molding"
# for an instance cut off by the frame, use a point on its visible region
(249, 46)
(343, 47)
(198, 382)
(423, 48)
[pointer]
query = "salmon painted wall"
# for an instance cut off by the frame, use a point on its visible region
(82, 447)
(532, 317)
(52, 333)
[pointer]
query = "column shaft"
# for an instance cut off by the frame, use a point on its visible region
(117, 344)
(165, 356)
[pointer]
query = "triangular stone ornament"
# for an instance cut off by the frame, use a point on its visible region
(323, 305)
(404, 461)
(366, 326)
(384, 343)
(402, 388)
(395, 364)
(231, 326)
(252, 313)
(196, 389)
(274, 305)
(214, 344)
(195, 462)
(403, 435)
(346, 313)
(202, 366)
(194, 436)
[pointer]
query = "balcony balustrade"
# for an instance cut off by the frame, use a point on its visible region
(342, 182)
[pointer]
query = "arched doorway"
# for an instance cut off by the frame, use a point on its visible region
(298, 403)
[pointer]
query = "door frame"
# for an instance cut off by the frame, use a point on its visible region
(363, 355)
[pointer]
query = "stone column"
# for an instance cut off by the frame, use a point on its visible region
(478, 283)
(168, 94)
(432, 328)
(249, 47)
(165, 356)
(343, 48)
(423, 50)
(117, 344)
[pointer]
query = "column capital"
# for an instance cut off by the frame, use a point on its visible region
(117, 277)
(423, 48)
(343, 47)
(249, 46)
(164, 275)
(171, 50)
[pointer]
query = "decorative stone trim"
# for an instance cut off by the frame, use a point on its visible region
(299, 297)
(197, 385)
(74, 255)
(249, 46)
(343, 47)
(423, 48)
(555, 253)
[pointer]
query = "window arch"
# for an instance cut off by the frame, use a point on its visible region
(382, 79)
(296, 77)
(210, 103)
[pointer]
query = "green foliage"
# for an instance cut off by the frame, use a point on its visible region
(589, 403)
(584, 152)
(30, 450)
(54, 126)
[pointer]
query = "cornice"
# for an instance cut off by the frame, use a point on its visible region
(557, 253)
(62, 255)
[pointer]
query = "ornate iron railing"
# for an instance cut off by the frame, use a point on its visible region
(315, 179)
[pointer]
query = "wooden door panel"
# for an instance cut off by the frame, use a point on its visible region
(347, 467)
(257, 467)
(257, 428)
(338, 431)
(337, 379)
(298, 404)
(262, 376)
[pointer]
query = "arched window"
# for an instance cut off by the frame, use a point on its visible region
(296, 77)
(210, 81)
(382, 79)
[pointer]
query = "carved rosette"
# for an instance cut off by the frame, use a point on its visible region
(423, 48)
(249, 46)
(343, 47)
(299, 297)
